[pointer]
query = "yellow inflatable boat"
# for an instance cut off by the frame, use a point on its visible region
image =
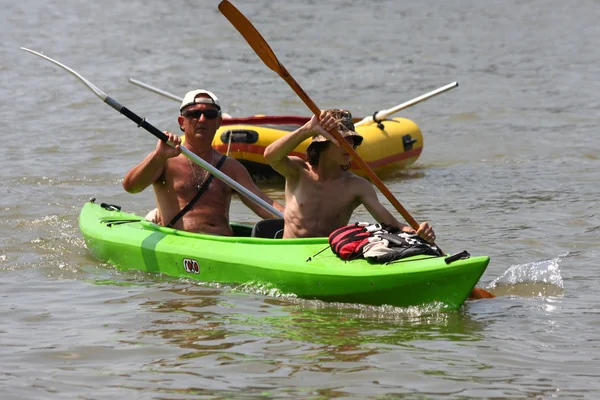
(388, 145)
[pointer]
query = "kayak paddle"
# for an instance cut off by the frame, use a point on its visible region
(266, 54)
(141, 122)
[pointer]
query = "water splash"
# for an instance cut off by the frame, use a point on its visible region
(535, 279)
(386, 312)
(263, 289)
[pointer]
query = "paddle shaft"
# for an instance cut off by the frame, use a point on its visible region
(141, 122)
(381, 115)
(155, 89)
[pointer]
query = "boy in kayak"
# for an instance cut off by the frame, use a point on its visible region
(320, 193)
(177, 180)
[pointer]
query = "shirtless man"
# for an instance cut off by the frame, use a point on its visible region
(320, 193)
(176, 179)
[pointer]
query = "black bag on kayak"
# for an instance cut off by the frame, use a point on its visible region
(392, 244)
(379, 243)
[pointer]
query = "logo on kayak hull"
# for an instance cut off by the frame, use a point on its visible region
(191, 266)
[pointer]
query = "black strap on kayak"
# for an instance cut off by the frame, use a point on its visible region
(458, 256)
(111, 222)
(109, 207)
(378, 121)
(403, 260)
(309, 259)
(201, 190)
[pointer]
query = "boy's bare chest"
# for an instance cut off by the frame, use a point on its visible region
(327, 196)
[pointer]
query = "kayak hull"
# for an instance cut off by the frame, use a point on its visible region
(291, 266)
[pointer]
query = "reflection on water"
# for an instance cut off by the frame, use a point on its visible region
(399, 175)
(344, 324)
(528, 289)
(341, 332)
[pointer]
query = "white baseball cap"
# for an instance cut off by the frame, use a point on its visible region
(191, 97)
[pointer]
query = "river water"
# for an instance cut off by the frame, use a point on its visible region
(510, 169)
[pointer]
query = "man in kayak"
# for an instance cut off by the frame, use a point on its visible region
(177, 180)
(320, 193)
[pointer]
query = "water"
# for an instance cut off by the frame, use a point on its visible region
(509, 169)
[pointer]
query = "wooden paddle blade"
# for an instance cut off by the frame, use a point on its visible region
(252, 36)
(263, 50)
(479, 293)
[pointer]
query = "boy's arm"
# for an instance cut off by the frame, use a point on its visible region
(277, 152)
(368, 198)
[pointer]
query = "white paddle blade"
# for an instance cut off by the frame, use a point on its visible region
(89, 84)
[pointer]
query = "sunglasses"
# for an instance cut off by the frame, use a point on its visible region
(197, 114)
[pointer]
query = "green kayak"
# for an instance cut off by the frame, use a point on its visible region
(292, 266)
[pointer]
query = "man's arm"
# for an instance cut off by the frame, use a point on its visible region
(151, 168)
(243, 178)
(368, 197)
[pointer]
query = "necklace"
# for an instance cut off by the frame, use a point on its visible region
(199, 180)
